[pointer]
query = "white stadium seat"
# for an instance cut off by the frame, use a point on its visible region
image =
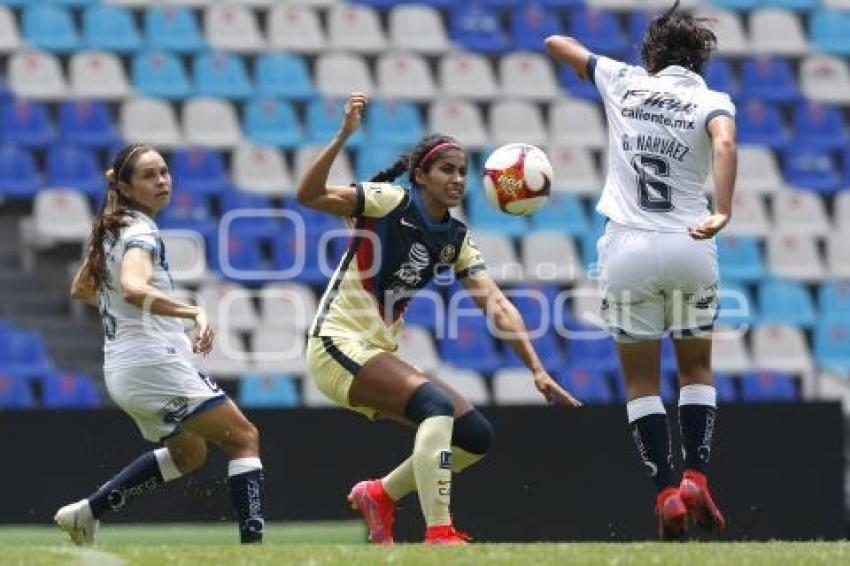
(528, 76)
(404, 76)
(278, 350)
(416, 347)
(287, 305)
(36, 75)
(515, 387)
(341, 172)
(232, 27)
(229, 305)
(186, 253)
(780, 347)
(467, 382)
(777, 31)
(228, 358)
(211, 122)
(793, 256)
(337, 74)
(576, 122)
(825, 78)
(295, 28)
(841, 210)
(355, 28)
(575, 170)
(800, 212)
(262, 170)
(502, 262)
(838, 254)
(517, 121)
(10, 38)
(417, 28)
(727, 25)
(149, 120)
(62, 215)
(750, 216)
(729, 352)
(758, 171)
(98, 75)
(460, 119)
(462, 74)
(551, 257)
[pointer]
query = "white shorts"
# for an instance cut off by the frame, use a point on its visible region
(160, 397)
(655, 283)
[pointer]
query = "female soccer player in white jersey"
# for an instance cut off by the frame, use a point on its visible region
(402, 237)
(657, 259)
(148, 357)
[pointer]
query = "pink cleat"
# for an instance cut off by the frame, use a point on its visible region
(377, 508)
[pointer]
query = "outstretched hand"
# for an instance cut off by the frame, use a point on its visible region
(354, 106)
(203, 342)
(708, 227)
(553, 392)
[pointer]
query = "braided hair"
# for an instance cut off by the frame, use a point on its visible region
(677, 39)
(114, 212)
(420, 156)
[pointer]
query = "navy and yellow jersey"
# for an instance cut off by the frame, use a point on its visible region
(394, 251)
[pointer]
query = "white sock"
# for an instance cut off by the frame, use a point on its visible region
(167, 467)
(243, 465)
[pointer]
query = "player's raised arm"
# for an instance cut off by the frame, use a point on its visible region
(565, 49)
(313, 189)
(725, 165)
(507, 319)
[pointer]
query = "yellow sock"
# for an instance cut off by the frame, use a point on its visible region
(432, 468)
(401, 482)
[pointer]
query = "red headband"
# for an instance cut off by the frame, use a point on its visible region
(435, 149)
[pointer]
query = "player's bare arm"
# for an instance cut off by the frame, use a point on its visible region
(507, 319)
(725, 154)
(82, 288)
(565, 49)
(313, 190)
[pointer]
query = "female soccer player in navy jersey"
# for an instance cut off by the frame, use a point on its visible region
(658, 261)
(403, 236)
(148, 364)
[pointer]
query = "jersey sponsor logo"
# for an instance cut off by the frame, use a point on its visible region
(445, 460)
(411, 270)
(644, 116)
(657, 99)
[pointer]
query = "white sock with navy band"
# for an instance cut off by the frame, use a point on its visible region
(697, 418)
(247, 492)
(648, 423)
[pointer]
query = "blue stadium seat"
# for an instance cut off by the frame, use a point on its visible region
(484, 217)
(271, 121)
(770, 79)
(322, 123)
(599, 31)
(261, 391)
(222, 75)
(591, 348)
(832, 345)
(471, 348)
(161, 74)
(768, 386)
(761, 123)
(288, 247)
(820, 126)
(667, 382)
(474, 27)
(199, 170)
(256, 223)
(243, 252)
(719, 76)
(531, 24)
(548, 350)
(23, 351)
(786, 302)
(829, 31)
(373, 158)
(26, 123)
(87, 123)
(69, 390)
(578, 87)
(393, 123)
(186, 207)
(846, 169)
(798, 5)
(315, 222)
(834, 301)
(50, 27)
(172, 28)
(15, 391)
(562, 213)
(74, 166)
(737, 306)
(589, 387)
(497, 5)
(536, 304)
(725, 386)
(18, 172)
(285, 75)
(740, 258)
(811, 168)
(110, 28)
(739, 5)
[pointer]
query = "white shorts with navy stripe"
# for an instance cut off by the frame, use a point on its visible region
(160, 397)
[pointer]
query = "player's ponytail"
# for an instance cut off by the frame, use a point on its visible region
(392, 172)
(113, 214)
(680, 39)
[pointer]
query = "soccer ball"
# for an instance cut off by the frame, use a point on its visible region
(517, 178)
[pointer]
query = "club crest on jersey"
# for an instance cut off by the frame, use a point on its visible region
(448, 253)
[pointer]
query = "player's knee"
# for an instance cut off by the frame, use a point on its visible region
(250, 438)
(189, 458)
(427, 401)
(473, 432)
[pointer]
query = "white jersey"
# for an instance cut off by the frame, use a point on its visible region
(659, 150)
(131, 336)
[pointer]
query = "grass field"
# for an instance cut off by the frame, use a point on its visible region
(319, 544)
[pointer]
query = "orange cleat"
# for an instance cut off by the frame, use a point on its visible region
(445, 534)
(377, 508)
(697, 498)
(672, 514)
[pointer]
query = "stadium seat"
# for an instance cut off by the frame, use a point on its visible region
(589, 387)
(228, 357)
(838, 254)
(832, 345)
(199, 170)
(470, 348)
(60, 215)
(232, 27)
(15, 390)
(74, 167)
(266, 391)
(576, 122)
(820, 126)
(740, 258)
(786, 302)
(750, 218)
(800, 212)
(547, 348)
(160, 74)
(599, 31)
(172, 28)
(484, 217)
(768, 78)
(719, 76)
(591, 349)
(228, 304)
(355, 29)
(563, 213)
(18, 172)
(794, 257)
(577, 87)
(87, 123)
(270, 121)
(829, 30)
(517, 121)
(727, 26)
(834, 300)
(69, 390)
(460, 119)
(211, 122)
(737, 307)
(531, 24)
(287, 305)
(780, 347)
(841, 206)
(23, 352)
(285, 75)
(502, 262)
(279, 351)
(466, 75)
(813, 169)
(261, 170)
(761, 123)
(405, 76)
(729, 351)
(418, 28)
(110, 28)
(26, 123)
(468, 383)
(337, 74)
(98, 75)
(417, 348)
(149, 120)
(799, 5)
(825, 78)
(394, 123)
(291, 249)
(474, 27)
(758, 170)
(515, 387)
(322, 122)
(340, 173)
(527, 76)
(777, 31)
(186, 252)
(575, 171)
(550, 257)
(373, 158)
(221, 74)
(36, 75)
(10, 38)
(295, 28)
(768, 386)
(51, 27)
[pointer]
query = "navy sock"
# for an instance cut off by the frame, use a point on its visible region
(139, 478)
(247, 493)
(697, 417)
(648, 424)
